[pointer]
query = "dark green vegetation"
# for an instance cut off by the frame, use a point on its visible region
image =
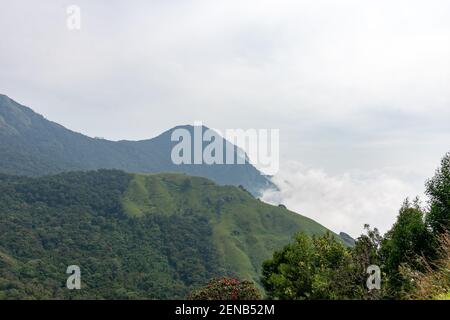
(30, 145)
(306, 269)
(134, 236)
(227, 289)
(434, 281)
(414, 256)
(159, 236)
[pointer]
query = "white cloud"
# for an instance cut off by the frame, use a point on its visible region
(343, 202)
(228, 63)
(350, 84)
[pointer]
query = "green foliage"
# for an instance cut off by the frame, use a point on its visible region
(226, 289)
(411, 247)
(438, 190)
(49, 223)
(411, 264)
(244, 231)
(406, 243)
(434, 281)
(306, 269)
(322, 268)
(151, 251)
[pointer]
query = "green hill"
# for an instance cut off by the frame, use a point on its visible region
(31, 145)
(152, 236)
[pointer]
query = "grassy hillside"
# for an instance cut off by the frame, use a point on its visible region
(245, 231)
(134, 236)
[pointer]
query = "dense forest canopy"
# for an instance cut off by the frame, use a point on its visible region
(133, 236)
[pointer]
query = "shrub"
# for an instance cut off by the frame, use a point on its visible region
(226, 289)
(435, 282)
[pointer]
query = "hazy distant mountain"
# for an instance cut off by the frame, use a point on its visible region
(154, 236)
(33, 146)
(348, 240)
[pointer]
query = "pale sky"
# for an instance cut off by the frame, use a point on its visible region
(360, 90)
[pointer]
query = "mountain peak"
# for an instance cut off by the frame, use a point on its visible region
(14, 117)
(33, 145)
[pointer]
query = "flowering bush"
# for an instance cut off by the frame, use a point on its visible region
(226, 289)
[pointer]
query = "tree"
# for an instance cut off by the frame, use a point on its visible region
(434, 282)
(408, 256)
(438, 190)
(366, 252)
(226, 289)
(406, 245)
(309, 268)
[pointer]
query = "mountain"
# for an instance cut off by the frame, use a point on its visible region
(347, 239)
(152, 236)
(33, 146)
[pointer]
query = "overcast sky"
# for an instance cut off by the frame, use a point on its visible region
(360, 90)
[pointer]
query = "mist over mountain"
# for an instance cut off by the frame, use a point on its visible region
(156, 231)
(34, 146)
